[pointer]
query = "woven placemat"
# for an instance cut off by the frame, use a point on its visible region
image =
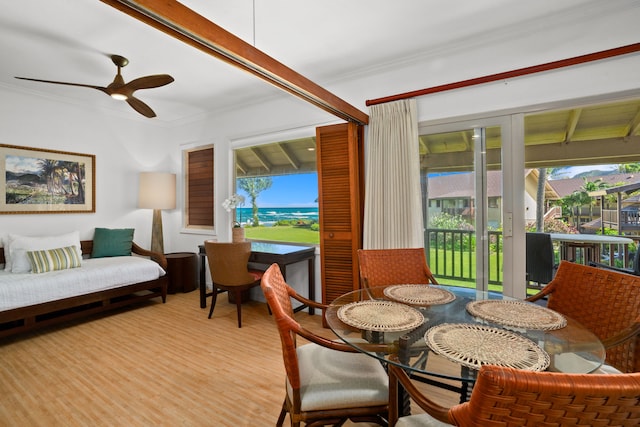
(422, 295)
(517, 313)
(380, 316)
(476, 345)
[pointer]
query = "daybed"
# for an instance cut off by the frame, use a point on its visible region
(29, 300)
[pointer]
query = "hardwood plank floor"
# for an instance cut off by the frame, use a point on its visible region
(152, 365)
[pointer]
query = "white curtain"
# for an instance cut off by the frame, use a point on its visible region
(393, 208)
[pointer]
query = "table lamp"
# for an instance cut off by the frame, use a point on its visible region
(157, 191)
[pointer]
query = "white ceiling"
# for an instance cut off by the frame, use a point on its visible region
(328, 41)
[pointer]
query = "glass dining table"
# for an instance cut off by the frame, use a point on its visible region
(442, 334)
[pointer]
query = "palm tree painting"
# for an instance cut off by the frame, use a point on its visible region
(43, 181)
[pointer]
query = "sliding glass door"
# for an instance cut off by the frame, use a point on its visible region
(468, 215)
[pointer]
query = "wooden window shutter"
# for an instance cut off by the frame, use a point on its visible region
(339, 159)
(199, 200)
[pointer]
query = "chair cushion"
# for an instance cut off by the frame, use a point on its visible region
(422, 420)
(333, 379)
(607, 369)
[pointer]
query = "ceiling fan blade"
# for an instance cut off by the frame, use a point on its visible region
(141, 107)
(100, 88)
(148, 82)
(120, 90)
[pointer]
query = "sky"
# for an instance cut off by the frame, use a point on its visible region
(299, 190)
(21, 164)
(572, 171)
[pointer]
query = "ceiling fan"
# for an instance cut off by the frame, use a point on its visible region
(120, 90)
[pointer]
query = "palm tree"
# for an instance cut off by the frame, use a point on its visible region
(543, 175)
(540, 204)
(581, 197)
(589, 186)
(75, 171)
(48, 169)
(253, 187)
(68, 170)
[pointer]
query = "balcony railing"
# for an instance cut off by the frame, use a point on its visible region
(451, 254)
(629, 220)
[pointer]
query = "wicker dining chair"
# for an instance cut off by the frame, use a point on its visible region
(228, 265)
(381, 267)
(606, 302)
(328, 382)
(509, 397)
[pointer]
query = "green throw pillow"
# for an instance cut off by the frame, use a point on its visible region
(112, 242)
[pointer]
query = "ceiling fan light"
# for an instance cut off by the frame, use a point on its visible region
(119, 96)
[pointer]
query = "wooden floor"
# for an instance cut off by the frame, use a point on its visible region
(153, 365)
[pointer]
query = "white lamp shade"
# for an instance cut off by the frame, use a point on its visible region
(157, 190)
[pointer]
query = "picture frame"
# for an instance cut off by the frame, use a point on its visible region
(40, 181)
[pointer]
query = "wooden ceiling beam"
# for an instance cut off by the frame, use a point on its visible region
(241, 166)
(574, 117)
(634, 127)
(182, 23)
(262, 159)
(291, 158)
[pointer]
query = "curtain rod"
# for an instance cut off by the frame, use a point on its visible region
(590, 57)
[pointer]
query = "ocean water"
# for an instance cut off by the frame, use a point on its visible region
(269, 216)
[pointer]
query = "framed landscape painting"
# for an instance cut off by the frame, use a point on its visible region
(36, 180)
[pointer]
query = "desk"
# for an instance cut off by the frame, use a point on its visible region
(590, 244)
(571, 349)
(268, 253)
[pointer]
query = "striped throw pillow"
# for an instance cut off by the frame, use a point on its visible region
(54, 259)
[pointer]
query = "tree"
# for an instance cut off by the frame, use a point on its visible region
(253, 187)
(629, 167)
(48, 169)
(589, 186)
(540, 204)
(580, 197)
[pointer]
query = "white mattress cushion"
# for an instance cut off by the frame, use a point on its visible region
(24, 289)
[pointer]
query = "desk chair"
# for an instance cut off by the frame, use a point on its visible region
(606, 302)
(381, 267)
(510, 397)
(229, 272)
(328, 382)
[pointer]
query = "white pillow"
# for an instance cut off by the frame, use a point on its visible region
(19, 245)
(7, 257)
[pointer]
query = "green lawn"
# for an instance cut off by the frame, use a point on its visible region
(457, 265)
(283, 233)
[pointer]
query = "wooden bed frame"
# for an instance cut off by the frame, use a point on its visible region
(36, 316)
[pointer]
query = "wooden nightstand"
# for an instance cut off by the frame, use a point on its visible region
(182, 268)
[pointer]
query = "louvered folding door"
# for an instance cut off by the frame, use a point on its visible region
(339, 155)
